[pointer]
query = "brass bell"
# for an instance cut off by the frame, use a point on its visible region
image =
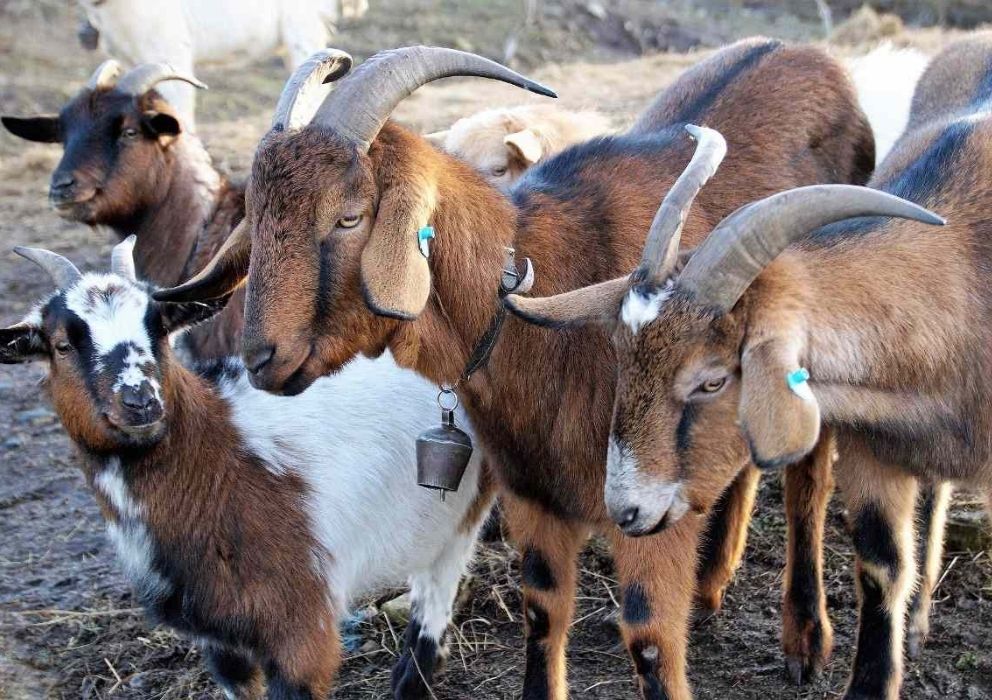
(442, 455)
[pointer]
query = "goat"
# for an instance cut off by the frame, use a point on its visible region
(186, 33)
(363, 186)
(241, 519)
(130, 164)
(827, 304)
(502, 143)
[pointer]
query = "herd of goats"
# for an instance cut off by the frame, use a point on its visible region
(635, 324)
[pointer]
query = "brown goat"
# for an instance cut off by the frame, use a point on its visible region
(130, 165)
(336, 269)
(812, 306)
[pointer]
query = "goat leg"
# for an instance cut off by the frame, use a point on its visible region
(881, 499)
(931, 518)
(723, 544)
(549, 548)
(807, 637)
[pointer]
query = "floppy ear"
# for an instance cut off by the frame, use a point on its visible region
(525, 145)
(44, 129)
(160, 125)
(182, 316)
(437, 137)
(597, 303)
(222, 275)
(778, 411)
(21, 343)
(396, 279)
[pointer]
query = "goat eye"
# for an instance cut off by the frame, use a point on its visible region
(498, 172)
(63, 347)
(711, 386)
(129, 133)
(349, 221)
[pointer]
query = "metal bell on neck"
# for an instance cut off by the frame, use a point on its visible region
(443, 452)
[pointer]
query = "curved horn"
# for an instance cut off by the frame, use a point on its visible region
(63, 273)
(105, 76)
(362, 102)
(661, 250)
(307, 88)
(122, 259)
(143, 78)
(737, 250)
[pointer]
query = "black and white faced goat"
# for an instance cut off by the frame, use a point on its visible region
(242, 519)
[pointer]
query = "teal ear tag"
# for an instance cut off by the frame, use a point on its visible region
(423, 236)
(798, 382)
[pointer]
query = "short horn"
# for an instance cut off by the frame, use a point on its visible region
(122, 259)
(661, 250)
(307, 88)
(105, 76)
(744, 243)
(63, 273)
(362, 102)
(143, 78)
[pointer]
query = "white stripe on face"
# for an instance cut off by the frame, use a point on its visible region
(114, 310)
(639, 310)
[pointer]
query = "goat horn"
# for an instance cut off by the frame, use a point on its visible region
(122, 259)
(143, 78)
(307, 88)
(63, 273)
(661, 249)
(362, 102)
(105, 76)
(744, 243)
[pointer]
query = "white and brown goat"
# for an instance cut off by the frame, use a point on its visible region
(131, 164)
(502, 143)
(241, 519)
(334, 206)
(824, 305)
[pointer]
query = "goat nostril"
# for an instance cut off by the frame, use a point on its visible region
(62, 182)
(256, 358)
(628, 516)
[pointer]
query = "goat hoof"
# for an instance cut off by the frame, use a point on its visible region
(412, 676)
(803, 671)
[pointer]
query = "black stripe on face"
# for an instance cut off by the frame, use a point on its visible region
(536, 572)
(77, 333)
(683, 436)
(694, 111)
(636, 607)
(536, 681)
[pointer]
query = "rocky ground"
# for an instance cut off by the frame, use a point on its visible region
(68, 627)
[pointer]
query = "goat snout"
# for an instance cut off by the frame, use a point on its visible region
(61, 187)
(646, 511)
(140, 409)
(279, 369)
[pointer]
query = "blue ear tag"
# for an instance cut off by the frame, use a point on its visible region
(423, 236)
(798, 382)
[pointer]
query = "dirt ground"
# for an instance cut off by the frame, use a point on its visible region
(68, 626)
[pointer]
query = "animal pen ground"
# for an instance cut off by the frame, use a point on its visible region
(68, 626)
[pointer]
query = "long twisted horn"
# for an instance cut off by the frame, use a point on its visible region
(63, 273)
(143, 78)
(362, 102)
(122, 259)
(105, 76)
(307, 88)
(744, 243)
(661, 250)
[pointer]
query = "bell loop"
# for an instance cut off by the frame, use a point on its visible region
(447, 399)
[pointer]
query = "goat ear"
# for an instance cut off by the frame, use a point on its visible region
(43, 129)
(525, 145)
(182, 316)
(778, 411)
(161, 125)
(21, 343)
(222, 275)
(396, 279)
(597, 303)
(437, 137)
